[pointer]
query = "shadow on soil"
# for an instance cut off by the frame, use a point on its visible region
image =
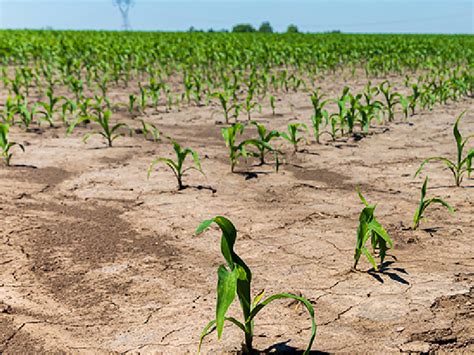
(200, 187)
(249, 175)
(392, 273)
(284, 348)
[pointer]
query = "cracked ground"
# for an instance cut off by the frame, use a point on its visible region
(96, 258)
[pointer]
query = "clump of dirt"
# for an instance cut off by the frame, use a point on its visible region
(460, 335)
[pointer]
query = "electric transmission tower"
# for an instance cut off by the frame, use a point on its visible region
(124, 7)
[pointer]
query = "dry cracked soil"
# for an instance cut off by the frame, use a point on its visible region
(95, 258)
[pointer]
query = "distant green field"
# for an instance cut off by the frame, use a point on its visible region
(237, 71)
(120, 52)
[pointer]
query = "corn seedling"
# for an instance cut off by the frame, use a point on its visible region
(225, 101)
(405, 103)
(369, 113)
(108, 131)
(26, 114)
(352, 113)
(197, 92)
(49, 107)
(150, 129)
(143, 97)
(6, 144)
(69, 106)
(239, 150)
(250, 105)
(235, 279)
(319, 113)
(177, 167)
(230, 137)
(293, 134)
(341, 105)
(154, 90)
(414, 97)
(463, 163)
(390, 99)
(77, 87)
(264, 137)
(419, 213)
(132, 99)
(9, 110)
(272, 104)
(370, 228)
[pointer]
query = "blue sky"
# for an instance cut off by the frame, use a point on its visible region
(380, 16)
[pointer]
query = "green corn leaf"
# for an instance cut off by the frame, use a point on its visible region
(258, 298)
(208, 329)
(285, 136)
(468, 160)
(18, 144)
(424, 188)
(381, 232)
(441, 202)
(117, 126)
(197, 162)
(167, 161)
(203, 226)
(370, 258)
(417, 216)
(383, 249)
(448, 163)
(226, 291)
(361, 197)
(87, 136)
(303, 300)
(458, 137)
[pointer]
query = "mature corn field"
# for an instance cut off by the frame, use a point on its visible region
(305, 154)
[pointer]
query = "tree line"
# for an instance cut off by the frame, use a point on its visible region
(265, 27)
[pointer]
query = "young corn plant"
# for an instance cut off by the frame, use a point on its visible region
(334, 129)
(49, 107)
(225, 101)
(370, 228)
(239, 150)
(293, 134)
(424, 203)
(77, 87)
(6, 145)
(463, 163)
(177, 167)
(235, 150)
(319, 115)
(68, 107)
(405, 103)
(102, 118)
(368, 113)
(149, 129)
(132, 99)
(143, 97)
(352, 112)
(249, 104)
(414, 98)
(265, 137)
(26, 114)
(197, 92)
(272, 105)
(390, 99)
(85, 106)
(235, 279)
(9, 110)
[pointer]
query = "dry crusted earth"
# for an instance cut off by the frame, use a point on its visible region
(95, 258)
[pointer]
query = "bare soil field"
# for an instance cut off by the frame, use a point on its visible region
(95, 258)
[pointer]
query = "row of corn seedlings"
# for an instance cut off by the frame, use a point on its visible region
(234, 279)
